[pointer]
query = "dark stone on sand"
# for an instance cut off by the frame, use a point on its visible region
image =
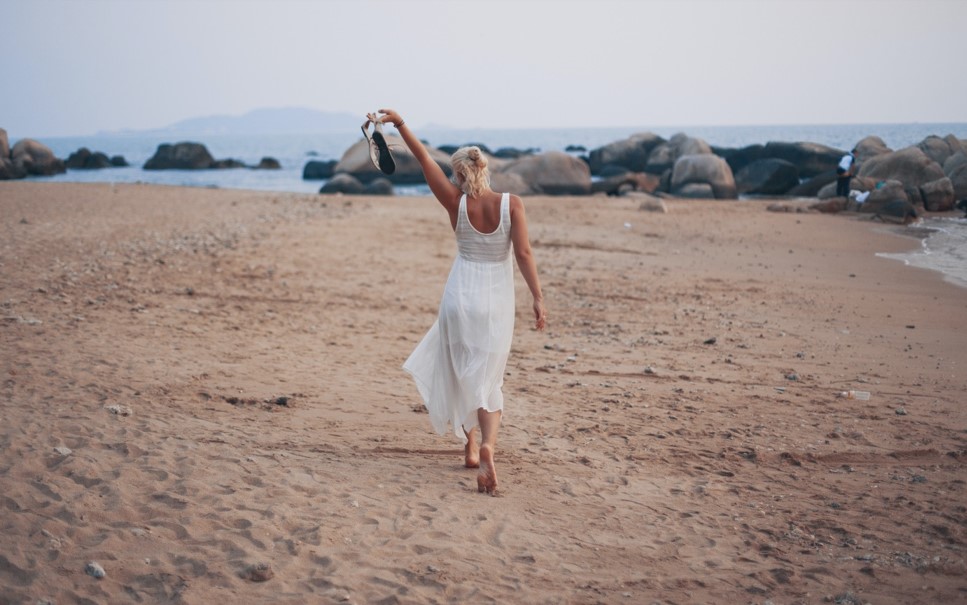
(938, 196)
(315, 170)
(379, 186)
(180, 156)
(258, 572)
(898, 211)
(268, 163)
(767, 177)
(343, 183)
(703, 169)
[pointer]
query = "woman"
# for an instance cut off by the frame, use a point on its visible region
(459, 365)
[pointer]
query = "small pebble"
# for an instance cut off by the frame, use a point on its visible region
(792, 376)
(710, 341)
(649, 370)
(95, 570)
(259, 572)
(120, 410)
(901, 412)
(63, 451)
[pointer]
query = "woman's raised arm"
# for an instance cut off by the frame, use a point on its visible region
(445, 192)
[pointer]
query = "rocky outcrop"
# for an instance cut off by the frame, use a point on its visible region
(741, 157)
(631, 153)
(7, 169)
(118, 161)
(180, 156)
(939, 149)
(938, 196)
(812, 187)
(85, 159)
(955, 168)
(356, 162)
(767, 177)
(625, 182)
(869, 147)
(664, 156)
(899, 211)
(884, 193)
(552, 173)
(911, 166)
(343, 183)
(810, 158)
(34, 158)
(703, 169)
(379, 186)
(316, 170)
(268, 163)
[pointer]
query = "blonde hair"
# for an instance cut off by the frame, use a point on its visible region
(470, 172)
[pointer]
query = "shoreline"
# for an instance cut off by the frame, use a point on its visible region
(675, 435)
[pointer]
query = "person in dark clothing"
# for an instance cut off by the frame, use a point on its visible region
(844, 172)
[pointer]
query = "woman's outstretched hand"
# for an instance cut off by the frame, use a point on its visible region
(390, 115)
(540, 314)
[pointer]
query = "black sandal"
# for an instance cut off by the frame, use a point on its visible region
(379, 151)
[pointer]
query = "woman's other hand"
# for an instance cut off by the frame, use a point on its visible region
(540, 314)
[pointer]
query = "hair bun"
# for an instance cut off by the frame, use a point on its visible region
(476, 156)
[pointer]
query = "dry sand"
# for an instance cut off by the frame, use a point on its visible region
(638, 464)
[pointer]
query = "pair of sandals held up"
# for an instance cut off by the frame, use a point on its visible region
(378, 148)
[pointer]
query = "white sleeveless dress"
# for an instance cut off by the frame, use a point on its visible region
(459, 365)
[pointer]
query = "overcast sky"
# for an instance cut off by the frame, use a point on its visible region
(76, 67)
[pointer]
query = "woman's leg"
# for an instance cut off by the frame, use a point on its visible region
(471, 451)
(487, 476)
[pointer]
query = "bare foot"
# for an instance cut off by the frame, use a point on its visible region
(487, 476)
(471, 451)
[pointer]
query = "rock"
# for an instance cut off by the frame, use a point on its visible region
(355, 162)
(770, 176)
(119, 410)
(510, 183)
(628, 181)
(954, 161)
(631, 153)
(512, 153)
(552, 173)
(898, 211)
(742, 157)
(869, 147)
(63, 451)
(695, 191)
(857, 183)
(180, 156)
(884, 193)
(118, 161)
(343, 183)
(33, 157)
(268, 163)
(937, 149)
(938, 196)
(911, 166)
(609, 170)
(649, 203)
(956, 170)
(831, 206)
(316, 170)
(812, 187)
(84, 159)
(379, 186)
(258, 572)
(703, 169)
(95, 570)
(665, 155)
(575, 149)
(9, 170)
(451, 149)
(810, 158)
(4, 144)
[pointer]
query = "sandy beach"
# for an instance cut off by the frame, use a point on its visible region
(198, 381)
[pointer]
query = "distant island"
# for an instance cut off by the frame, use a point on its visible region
(281, 120)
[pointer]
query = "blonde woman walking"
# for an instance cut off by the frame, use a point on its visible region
(459, 365)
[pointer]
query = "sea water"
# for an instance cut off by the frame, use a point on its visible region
(944, 249)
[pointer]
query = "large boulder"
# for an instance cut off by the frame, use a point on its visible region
(33, 157)
(741, 157)
(911, 166)
(180, 156)
(553, 173)
(695, 191)
(356, 162)
(956, 170)
(885, 193)
(7, 168)
(85, 159)
(506, 182)
(937, 149)
(704, 169)
(896, 212)
(380, 186)
(343, 183)
(938, 196)
(632, 153)
(811, 187)
(4, 144)
(268, 163)
(810, 158)
(664, 156)
(620, 184)
(857, 183)
(956, 145)
(316, 170)
(770, 176)
(869, 147)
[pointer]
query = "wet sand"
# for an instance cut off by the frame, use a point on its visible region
(223, 369)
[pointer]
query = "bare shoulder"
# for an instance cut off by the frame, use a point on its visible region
(516, 204)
